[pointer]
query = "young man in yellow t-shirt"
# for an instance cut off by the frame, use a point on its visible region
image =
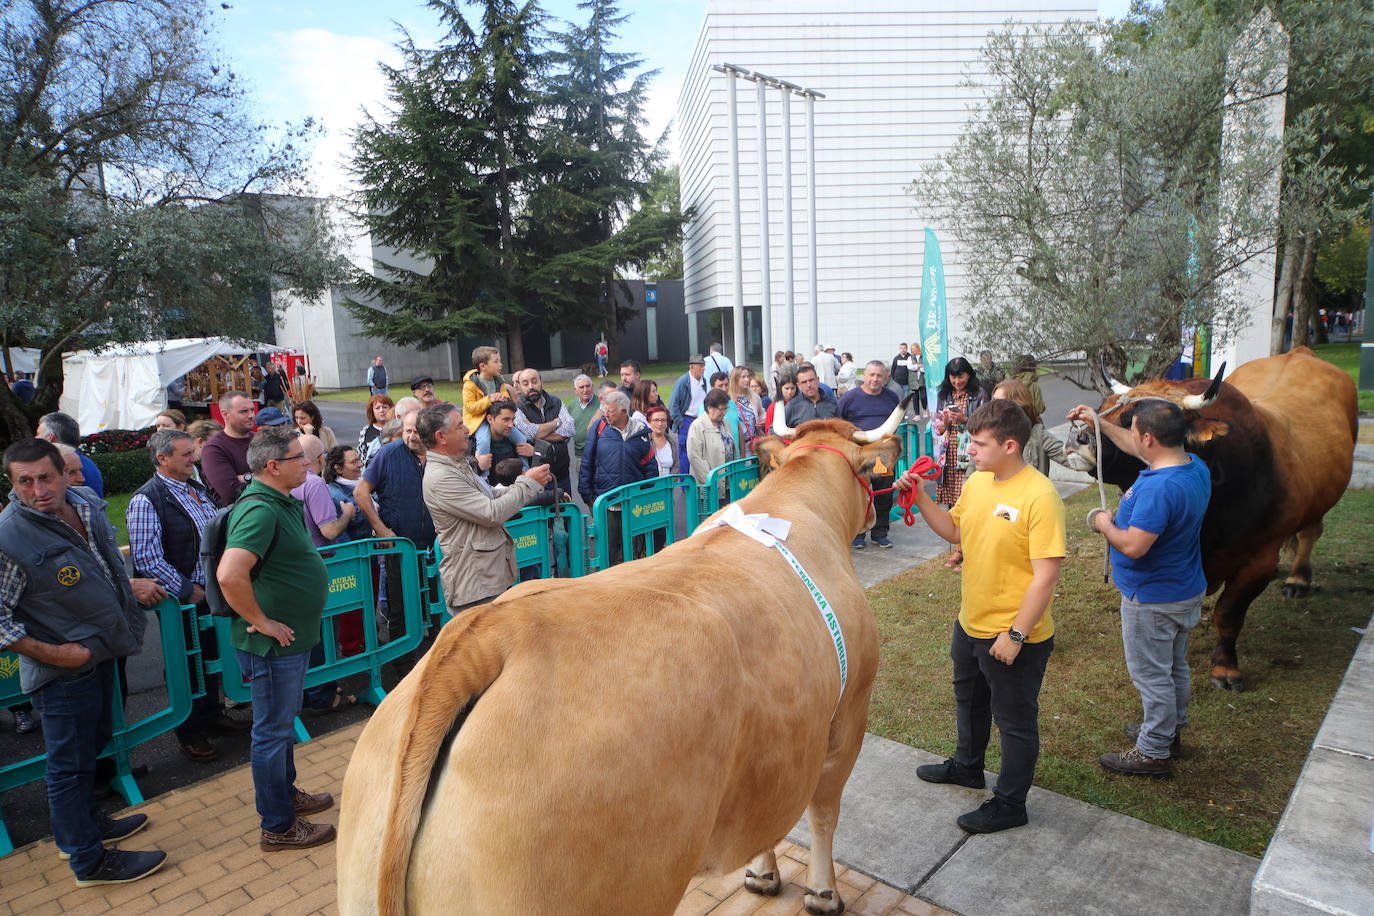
(1009, 520)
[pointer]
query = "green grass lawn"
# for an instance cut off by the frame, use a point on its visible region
(1243, 750)
(118, 505)
(1346, 356)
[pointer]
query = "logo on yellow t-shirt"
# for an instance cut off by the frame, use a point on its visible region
(1010, 513)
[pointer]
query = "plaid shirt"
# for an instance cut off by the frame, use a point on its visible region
(13, 581)
(145, 531)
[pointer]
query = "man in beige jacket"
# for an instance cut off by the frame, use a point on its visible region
(479, 556)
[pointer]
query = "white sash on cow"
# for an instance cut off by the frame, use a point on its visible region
(771, 532)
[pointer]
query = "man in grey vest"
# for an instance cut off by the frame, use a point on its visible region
(69, 610)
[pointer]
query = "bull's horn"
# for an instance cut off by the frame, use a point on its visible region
(889, 425)
(1115, 386)
(780, 427)
(1200, 401)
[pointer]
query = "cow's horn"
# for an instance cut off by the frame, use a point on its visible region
(889, 425)
(1200, 401)
(1113, 384)
(780, 427)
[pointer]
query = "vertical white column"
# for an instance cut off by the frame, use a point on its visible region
(785, 90)
(765, 278)
(735, 221)
(811, 216)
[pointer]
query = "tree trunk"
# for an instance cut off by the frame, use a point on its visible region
(1283, 298)
(515, 343)
(13, 420)
(1302, 294)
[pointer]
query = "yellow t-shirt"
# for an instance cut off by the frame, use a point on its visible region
(1003, 526)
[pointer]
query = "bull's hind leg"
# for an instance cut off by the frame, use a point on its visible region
(761, 875)
(1229, 615)
(1299, 581)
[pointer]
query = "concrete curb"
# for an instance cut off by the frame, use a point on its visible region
(1321, 858)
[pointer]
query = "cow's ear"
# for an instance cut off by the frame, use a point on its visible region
(769, 449)
(1202, 431)
(879, 459)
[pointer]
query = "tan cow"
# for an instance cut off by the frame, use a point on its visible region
(585, 746)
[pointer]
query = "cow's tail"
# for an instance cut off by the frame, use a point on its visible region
(464, 661)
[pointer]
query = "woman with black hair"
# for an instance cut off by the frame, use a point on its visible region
(310, 423)
(959, 396)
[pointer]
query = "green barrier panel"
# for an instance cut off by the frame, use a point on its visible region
(646, 506)
(533, 545)
(736, 478)
(915, 443)
(126, 735)
(351, 588)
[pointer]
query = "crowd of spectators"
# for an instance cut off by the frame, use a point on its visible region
(435, 473)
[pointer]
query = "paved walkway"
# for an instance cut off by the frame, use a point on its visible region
(210, 832)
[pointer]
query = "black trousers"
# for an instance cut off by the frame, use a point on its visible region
(986, 690)
(882, 507)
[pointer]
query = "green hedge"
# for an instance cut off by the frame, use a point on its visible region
(123, 472)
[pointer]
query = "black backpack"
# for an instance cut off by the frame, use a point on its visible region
(212, 539)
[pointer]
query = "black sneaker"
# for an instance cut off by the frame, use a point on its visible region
(1137, 763)
(120, 867)
(1132, 730)
(112, 830)
(994, 815)
(951, 772)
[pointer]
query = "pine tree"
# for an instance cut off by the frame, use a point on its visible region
(442, 181)
(587, 221)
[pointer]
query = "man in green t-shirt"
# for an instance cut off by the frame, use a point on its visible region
(278, 623)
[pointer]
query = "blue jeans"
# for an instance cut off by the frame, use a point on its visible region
(275, 683)
(77, 723)
(986, 690)
(482, 440)
(1155, 637)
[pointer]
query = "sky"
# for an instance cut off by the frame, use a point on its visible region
(321, 58)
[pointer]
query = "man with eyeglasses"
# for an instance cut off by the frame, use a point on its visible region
(274, 579)
(422, 387)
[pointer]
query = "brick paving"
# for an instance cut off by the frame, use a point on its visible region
(210, 831)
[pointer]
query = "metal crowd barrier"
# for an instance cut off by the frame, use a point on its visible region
(645, 507)
(729, 482)
(351, 567)
(126, 735)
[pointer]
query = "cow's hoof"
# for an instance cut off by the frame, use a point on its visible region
(768, 884)
(1228, 682)
(1296, 590)
(823, 903)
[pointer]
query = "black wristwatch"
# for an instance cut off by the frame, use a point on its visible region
(1016, 635)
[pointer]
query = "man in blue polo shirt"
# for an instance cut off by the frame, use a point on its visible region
(1157, 566)
(396, 476)
(868, 407)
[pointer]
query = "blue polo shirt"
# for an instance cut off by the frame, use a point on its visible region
(1170, 503)
(397, 479)
(868, 411)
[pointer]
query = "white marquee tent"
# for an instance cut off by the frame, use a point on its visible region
(125, 387)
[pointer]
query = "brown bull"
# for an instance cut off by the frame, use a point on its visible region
(1279, 438)
(585, 746)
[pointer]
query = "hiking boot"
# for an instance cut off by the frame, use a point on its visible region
(857, 543)
(305, 803)
(1132, 730)
(23, 721)
(993, 815)
(951, 772)
(120, 867)
(300, 835)
(113, 829)
(1135, 763)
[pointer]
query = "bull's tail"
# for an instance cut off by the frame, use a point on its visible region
(464, 661)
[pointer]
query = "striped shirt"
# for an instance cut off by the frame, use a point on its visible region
(145, 531)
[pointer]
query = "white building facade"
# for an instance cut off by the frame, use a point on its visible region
(893, 75)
